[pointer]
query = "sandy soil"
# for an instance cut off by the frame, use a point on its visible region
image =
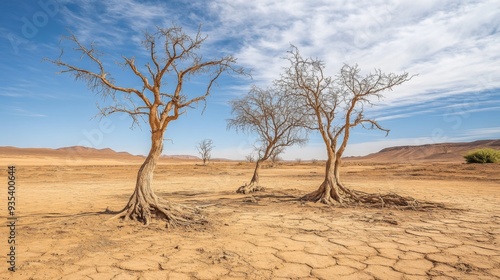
(64, 231)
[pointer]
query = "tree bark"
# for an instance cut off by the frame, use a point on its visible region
(254, 183)
(143, 205)
(332, 191)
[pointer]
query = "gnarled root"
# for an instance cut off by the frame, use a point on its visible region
(249, 188)
(326, 194)
(393, 200)
(176, 215)
(320, 196)
(346, 197)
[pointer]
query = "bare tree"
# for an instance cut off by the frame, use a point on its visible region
(446, 148)
(173, 59)
(336, 105)
(205, 150)
(250, 158)
(277, 122)
(275, 156)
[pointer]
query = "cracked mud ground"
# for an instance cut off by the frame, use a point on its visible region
(65, 233)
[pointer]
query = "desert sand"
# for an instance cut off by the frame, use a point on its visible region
(65, 230)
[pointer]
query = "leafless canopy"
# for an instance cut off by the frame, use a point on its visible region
(270, 114)
(335, 105)
(277, 121)
(172, 58)
(205, 150)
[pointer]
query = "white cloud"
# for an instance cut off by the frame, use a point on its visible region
(480, 133)
(114, 22)
(16, 111)
(453, 46)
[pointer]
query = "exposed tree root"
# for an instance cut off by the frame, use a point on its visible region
(249, 188)
(331, 194)
(322, 197)
(350, 198)
(393, 200)
(176, 215)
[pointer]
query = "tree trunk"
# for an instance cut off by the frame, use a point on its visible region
(351, 195)
(144, 204)
(329, 191)
(254, 183)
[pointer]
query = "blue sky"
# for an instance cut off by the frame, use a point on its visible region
(453, 46)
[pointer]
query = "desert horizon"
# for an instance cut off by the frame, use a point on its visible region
(65, 231)
(446, 151)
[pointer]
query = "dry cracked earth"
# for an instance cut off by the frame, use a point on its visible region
(65, 233)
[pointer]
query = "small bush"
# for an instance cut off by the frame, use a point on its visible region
(483, 156)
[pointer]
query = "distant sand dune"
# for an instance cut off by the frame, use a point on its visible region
(441, 152)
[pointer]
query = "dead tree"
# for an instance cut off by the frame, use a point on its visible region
(336, 105)
(275, 157)
(250, 158)
(277, 122)
(172, 60)
(205, 150)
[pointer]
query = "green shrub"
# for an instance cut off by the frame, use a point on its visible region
(483, 156)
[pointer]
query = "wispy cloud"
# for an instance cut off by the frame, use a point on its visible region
(16, 111)
(439, 106)
(10, 94)
(114, 22)
(468, 111)
(477, 133)
(451, 45)
(25, 89)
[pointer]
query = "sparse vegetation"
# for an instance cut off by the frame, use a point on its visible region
(275, 157)
(250, 158)
(205, 150)
(277, 121)
(483, 156)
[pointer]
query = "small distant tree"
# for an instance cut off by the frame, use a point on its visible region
(250, 158)
(275, 157)
(277, 122)
(173, 59)
(336, 105)
(298, 160)
(446, 148)
(205, 150)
